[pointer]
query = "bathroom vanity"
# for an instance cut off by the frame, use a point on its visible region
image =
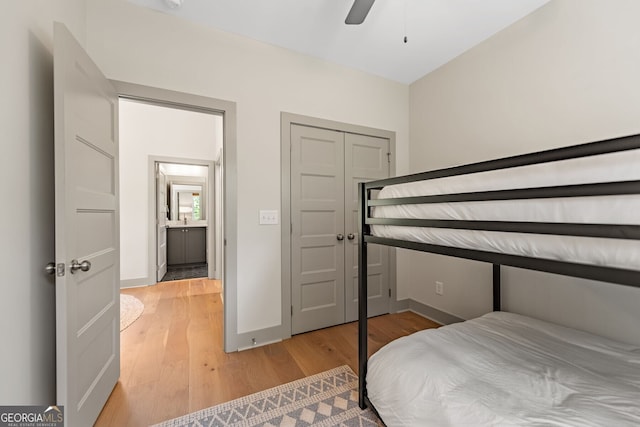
(186, 244)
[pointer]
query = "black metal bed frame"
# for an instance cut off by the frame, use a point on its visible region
(593, 272)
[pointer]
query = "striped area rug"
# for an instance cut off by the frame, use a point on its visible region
(326, 399)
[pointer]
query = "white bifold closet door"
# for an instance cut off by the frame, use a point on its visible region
(326, 167)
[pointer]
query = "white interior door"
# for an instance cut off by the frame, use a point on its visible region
(366, 159)
(161, 223)
(317, 240)
(87, 232)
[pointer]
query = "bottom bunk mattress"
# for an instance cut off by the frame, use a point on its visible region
(504, 369)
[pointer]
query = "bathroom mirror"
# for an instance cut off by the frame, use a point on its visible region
(187, 201)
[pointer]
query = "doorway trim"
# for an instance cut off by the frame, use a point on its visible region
(228, 110)
(286, 120)
(210, 211)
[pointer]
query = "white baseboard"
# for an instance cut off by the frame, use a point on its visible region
(431, 313)
(136, 283)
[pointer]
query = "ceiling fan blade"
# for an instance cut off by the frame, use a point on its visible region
(358, 12)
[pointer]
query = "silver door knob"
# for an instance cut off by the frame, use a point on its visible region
(351, 236)
(75, 266)
(50, 268)
(340, 237)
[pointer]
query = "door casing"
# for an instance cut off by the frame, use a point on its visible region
(286, 120)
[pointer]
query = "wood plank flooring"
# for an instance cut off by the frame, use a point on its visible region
(172, 361)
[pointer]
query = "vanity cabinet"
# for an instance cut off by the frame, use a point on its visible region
(186, 245)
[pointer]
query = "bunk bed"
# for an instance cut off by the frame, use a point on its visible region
(549, 211)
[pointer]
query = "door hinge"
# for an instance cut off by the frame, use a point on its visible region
(291, 311)
(389, 292)
(389, 157)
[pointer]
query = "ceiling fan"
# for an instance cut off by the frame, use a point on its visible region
(358, 12)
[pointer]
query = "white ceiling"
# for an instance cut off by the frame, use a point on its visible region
(437, 30)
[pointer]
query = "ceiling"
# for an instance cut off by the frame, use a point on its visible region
(437, 30)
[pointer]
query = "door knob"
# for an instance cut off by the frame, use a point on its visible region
(50, 268)
(75, 266)
(340, 237)
(351, 236)
(53, 268)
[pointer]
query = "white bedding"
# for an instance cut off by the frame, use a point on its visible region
(503, 369)
(610, 210)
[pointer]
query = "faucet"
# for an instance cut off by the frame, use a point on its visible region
(185, 219)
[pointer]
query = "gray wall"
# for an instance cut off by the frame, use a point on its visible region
(566, 74)
(27, 317)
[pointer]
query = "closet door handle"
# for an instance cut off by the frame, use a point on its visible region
(82, 266)
(340, 237)
(351, 236)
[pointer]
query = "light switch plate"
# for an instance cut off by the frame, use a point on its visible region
(268, 217)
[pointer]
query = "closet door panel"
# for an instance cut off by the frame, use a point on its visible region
(317, 216)
(366, 159)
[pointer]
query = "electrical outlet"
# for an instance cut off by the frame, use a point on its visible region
(439, 288)
(268, 217)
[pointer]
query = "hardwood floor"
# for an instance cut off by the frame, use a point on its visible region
(172, 361)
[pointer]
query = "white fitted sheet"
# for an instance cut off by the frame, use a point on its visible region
(622, 166)
(503, 369)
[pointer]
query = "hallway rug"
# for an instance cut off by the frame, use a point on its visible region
(130, 309)
(327, 399)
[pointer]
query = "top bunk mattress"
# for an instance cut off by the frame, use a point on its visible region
(621, 210)
(503, 369)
